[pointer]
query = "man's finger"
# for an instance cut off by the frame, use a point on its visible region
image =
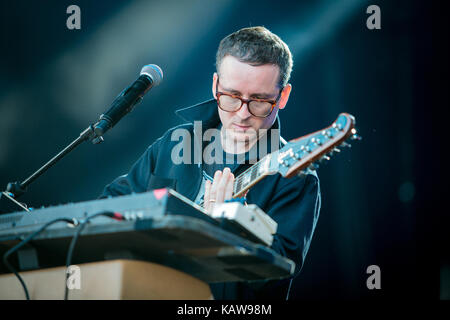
(206, 196)
(222, 183)
(214, 185)
(229, 187)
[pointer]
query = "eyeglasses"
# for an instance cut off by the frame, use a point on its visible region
(260, 108)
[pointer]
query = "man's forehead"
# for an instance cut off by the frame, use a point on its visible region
(237, 76)
(233, 66)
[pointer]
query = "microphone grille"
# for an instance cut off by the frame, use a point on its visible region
(154, 72)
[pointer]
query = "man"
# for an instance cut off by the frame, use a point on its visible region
(249, 88)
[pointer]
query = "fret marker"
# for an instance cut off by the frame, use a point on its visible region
(246, 179)
(265, 165)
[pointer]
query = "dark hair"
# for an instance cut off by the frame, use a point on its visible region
(257, 46)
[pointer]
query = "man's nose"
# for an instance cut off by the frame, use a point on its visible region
(243, 112)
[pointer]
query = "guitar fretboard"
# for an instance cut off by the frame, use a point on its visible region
(251, 176)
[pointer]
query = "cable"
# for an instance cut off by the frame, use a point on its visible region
(25, 241)
(110, 214)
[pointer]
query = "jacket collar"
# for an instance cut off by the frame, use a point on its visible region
(205, 111)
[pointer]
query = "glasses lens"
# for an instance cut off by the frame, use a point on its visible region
(229, 103)
(260, 109)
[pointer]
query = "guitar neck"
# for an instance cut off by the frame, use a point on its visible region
(299, 154)
(251, 176)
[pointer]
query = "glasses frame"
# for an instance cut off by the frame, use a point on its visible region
(272, 102)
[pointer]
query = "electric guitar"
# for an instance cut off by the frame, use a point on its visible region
(299, 154)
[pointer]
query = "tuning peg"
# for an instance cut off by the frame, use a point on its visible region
(316, 141)
(324, 158)
(98, 140)
(355, 136)
(331, 153)
(327, 133)
(346, 145)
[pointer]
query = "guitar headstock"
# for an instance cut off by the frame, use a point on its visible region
(306, 151)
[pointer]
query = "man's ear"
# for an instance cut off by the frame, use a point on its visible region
(284, 96)
(215, 76)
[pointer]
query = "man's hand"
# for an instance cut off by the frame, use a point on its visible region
(219, 190)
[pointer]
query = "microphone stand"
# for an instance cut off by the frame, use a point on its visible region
(16, 189)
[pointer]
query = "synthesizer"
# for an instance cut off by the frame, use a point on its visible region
(160, 226)
(154, 204)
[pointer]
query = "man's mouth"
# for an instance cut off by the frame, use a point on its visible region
(241, 127)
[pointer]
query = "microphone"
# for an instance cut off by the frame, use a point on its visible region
(151, 75)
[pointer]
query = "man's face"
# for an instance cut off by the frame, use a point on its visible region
(248, 82)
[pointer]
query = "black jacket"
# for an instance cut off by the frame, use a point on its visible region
(293, 203)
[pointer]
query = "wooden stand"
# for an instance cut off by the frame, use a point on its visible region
(108, 280)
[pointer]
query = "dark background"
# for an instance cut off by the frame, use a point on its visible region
(379, 198)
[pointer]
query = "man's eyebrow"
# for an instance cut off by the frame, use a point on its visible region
(253, 95)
